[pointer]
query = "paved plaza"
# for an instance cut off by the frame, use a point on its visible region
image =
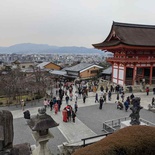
(89, 120)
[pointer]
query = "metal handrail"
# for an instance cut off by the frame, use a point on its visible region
(121, 118)
(147, 122)
(106, 125)
(111, 126)
(84, 139)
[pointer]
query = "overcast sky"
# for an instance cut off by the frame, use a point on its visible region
(68, 22)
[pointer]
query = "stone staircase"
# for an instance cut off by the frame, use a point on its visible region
(69, 148)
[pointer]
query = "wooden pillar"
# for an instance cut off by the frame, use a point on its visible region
(124, 79)
(134, 74)
(151, 70)
(118, 73)
(112, 78)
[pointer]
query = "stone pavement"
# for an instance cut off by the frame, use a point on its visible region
(88, 122)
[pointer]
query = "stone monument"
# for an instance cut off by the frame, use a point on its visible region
(40, 125)
(6, 131)
(7, 134)
(135, 111)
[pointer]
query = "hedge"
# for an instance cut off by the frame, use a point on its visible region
(133, 140)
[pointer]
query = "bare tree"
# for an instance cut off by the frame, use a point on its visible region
(15, 84)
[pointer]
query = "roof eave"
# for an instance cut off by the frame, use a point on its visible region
(127, 46)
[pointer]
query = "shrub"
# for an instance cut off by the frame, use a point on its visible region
(38, 97)
(1, 103)
(27, 99)
(133, 140)
(10, 102)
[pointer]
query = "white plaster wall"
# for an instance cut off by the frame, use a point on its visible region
(121, 74)
(115, 73)
(120, 82)
(115, 80)
(143, 64)
(121, 67)
(129, 65)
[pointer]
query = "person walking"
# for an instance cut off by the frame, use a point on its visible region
(107, 89)
(101, 88)
(22, 104)
(69, 110)
(27, 115)
(84, 97)
(132, 96)
(45, 103)
(147, 91)
(64, 114)
(117, 98)
(154, 91)
(96, 97)
(56, 108)
(59, 104)
(73, 116)
(153, 100)
(122, 96)
(105, 97)
(54, 100)
(76, 106)
(76, 95)
(71, 96)
(67, 99)
(51, 104)
(101, 101)
(109, 95)
(126, 104)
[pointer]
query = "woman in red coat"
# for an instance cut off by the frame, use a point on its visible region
(64, 114)
(56, 107)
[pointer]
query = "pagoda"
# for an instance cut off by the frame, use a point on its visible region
(133, 46)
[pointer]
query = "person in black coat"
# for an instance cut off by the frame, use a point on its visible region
(153, 90)
(27, 114)
(84, 97)
(101, 101)
(73, 116)
(96, 98)
(59, 104)
(51, 104)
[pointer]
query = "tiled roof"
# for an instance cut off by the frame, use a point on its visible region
(107, 71)
(58, 72)
(43, 64)
(79, 67)
(129, 34)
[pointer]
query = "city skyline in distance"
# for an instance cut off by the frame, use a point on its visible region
(30, 48)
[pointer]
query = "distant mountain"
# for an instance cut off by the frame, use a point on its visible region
(29, 48)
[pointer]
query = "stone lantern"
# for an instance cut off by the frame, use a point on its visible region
(40, 125)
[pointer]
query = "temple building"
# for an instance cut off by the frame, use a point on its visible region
(133, 46)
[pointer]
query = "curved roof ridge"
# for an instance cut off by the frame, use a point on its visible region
(133, 25)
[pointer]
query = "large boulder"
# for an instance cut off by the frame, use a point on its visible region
(133, 140)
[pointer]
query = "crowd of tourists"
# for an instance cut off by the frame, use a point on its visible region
(64, 94)
(68, 94)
